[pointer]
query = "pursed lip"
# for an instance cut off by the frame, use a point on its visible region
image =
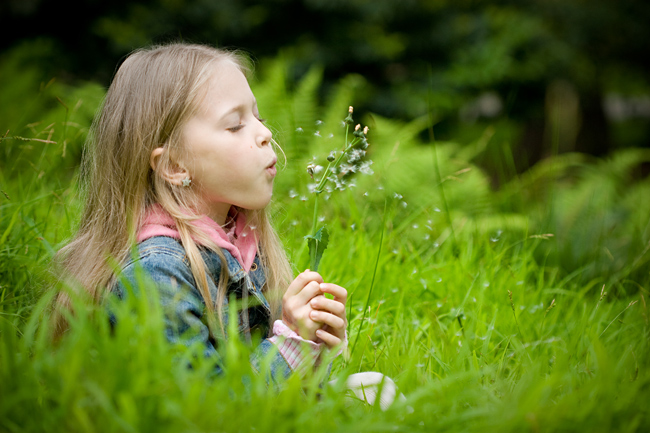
(271, 167)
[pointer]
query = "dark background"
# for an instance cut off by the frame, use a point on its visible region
(559, 76)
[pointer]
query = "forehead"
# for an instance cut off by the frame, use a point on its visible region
(225, 88)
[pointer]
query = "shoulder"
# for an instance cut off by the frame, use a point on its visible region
(158, 247)
(163, 260)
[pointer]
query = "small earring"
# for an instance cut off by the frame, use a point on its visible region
(187, 181)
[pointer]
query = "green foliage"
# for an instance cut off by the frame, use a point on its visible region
(484, 320)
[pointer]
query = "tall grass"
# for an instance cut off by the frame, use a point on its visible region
(536, 320)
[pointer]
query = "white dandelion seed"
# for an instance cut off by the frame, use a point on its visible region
(299, 129)
(293, 194)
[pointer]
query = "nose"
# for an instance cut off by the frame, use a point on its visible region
(264, 135)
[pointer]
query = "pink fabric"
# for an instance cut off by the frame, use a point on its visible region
(298, 352)
(293, 347)
(240, 242)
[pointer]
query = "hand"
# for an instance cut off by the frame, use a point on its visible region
(331, 313)
(296, 308)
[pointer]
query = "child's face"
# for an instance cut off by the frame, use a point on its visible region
(230, 159)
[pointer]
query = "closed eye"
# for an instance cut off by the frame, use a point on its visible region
(235, 128)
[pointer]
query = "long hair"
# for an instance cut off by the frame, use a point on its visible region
(153, 94)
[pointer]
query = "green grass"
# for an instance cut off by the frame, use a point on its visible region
(459, 315)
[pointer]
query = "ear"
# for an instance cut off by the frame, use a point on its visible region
(173, 174)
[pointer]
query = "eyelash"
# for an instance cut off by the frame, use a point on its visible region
(240, 126)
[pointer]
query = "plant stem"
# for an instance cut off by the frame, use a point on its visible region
(372, 282)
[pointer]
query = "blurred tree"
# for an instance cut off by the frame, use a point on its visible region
(542, 64)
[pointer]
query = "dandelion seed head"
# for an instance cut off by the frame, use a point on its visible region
(397, 196)
(299, 129)
(303, 198)
(293, 194)
(317, 133)
(404, 204)
(365, 167)
(319, 122)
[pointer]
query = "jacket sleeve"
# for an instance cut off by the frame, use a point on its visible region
(184, 309)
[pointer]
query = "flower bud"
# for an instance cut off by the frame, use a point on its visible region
(310, 170)
(350, 110)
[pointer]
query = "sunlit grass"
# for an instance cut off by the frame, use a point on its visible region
(487, 310)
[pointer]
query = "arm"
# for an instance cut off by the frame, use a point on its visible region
(184, 309)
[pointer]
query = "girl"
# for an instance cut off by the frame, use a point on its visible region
(180, 163)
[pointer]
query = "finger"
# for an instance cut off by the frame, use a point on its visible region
(327, 318)
(329, 305)
(330, 340)
(311, 290)
(339, 293)
(301, 281)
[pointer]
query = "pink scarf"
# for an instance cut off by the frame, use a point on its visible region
(240, 241)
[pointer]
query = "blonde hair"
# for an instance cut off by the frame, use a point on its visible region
(154, 92)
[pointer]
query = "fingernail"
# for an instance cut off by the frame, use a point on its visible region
(322, 286)
(306, 270)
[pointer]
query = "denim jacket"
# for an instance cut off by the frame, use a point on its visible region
(165, 261)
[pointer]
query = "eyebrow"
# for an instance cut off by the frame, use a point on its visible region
(238, 108)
